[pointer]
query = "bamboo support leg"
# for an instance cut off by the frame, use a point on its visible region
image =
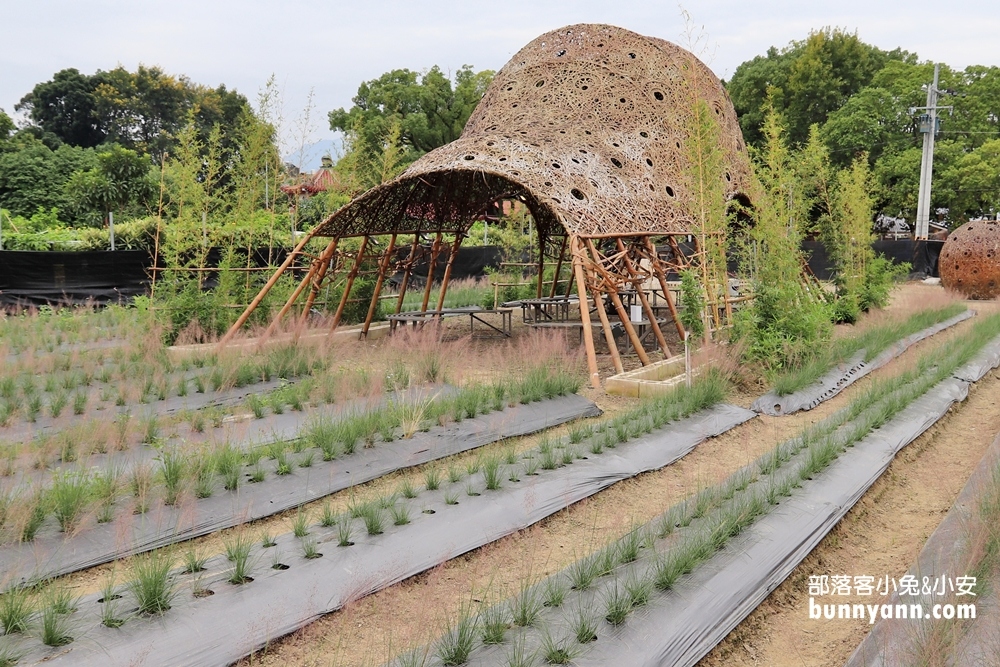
(263, 292)
(288, 305)
(609, 335)
(383, 267)
(650, 315)
(559, 263)
(447, 270)
(588, 333)
(324, 261)
(619, 307)
(435, 249)
(662, 278)
(406, 273)
(541, 266)
(350, 283)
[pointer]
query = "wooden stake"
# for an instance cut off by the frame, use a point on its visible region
(541, 265)
(588, 334)
(262, 293)
(447, 271)
(350, 283)
(637, 285)
(383, 266)
(609, 335)
(619, 308)
(435, 249)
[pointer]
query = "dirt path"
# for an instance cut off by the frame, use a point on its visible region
(414, 612)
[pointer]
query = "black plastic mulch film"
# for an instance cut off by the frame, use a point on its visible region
(238, 619)
(166, 525)
(840, 378)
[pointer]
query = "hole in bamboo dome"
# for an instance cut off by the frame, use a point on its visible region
(490, 143)
(678, 144)
(560, 53)
(584, 87)
(503, 159)
(649, 162)
(670, 191)
(622, 100)
(616, 162)
(556, 165)
(539, 83)
(632, 56)
(470, 157)
(728, 177)
(658, 95)
(644, 134)
(548, 184)
(576, 193)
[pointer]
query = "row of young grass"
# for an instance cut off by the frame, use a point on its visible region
(156, 579)
(46, 329)
(72, 496)
(873, 342)
(696, 528)
(143, 381)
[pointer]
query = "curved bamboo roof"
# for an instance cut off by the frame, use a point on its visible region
(588, 125)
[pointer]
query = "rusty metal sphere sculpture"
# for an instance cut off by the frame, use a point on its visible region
(590, 125)
(970, 260)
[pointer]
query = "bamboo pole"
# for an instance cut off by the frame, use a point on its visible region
(262, 293)
(588, 333)
(541, 265)
(324, 266)
(383, 266)
(559, 263)
(637, 284)
(350, 283)
(447, 271)
(406, 273)
(609, 335)
(662, 278)
(435, 249)
(619, 307)
(288, 305)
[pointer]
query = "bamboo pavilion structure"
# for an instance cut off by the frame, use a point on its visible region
(589, 127)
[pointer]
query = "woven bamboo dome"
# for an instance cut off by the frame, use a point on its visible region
(588, 125)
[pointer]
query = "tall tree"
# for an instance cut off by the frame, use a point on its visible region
(66, 107)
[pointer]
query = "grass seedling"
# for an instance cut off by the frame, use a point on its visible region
(584, 625)
(553, 592)
(454, 474)
(238, 548)
(70, 495)
(450, 498)
(109, 604)
(638, 590)
(629, 546)
(228, 463)
(267, 540)
(151, 585)
(54, 628)
(258, 474)
(493, 622)
(519, 655)
(617, 605)
(255, 405)
(525, 606)
(345, 529)
(172, 469)
(9, 656)
(406, 489)
(374, 519)
(492, 473)
(194, 561)
(38, 510)
(400, 514)
(300, 525)
(151, 429)
(306, 460)
(310, 550)
(568, 455)
(79, 402)
(56, 404)
(457, 642)
(328, 517)
(432, 479)
(16, 610)
(582, 574)
(531, 466)
(548, 460)
(557, 652)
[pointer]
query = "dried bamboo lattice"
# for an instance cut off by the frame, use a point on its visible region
(589, 126)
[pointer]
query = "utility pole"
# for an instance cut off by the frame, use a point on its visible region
(930, 125)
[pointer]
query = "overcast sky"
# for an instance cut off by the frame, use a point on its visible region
(330, 46)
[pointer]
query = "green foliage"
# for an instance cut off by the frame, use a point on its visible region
(34, 176)
(120, 182)
(692, 306)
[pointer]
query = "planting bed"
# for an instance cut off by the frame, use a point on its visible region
(59, 553)
(440, 524)
(855, 368)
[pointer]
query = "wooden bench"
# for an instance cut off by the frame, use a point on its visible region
(475, 313)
